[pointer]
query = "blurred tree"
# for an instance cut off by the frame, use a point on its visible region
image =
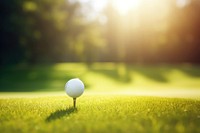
(12, 25)
(115, 34)
(184, 33)
(158, 31)
(39, 31)
(42, 31)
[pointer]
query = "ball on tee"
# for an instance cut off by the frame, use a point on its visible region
(74, 88)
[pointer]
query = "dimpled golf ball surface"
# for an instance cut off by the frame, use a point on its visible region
(74, 88)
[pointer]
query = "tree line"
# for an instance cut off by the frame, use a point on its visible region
(48, 31)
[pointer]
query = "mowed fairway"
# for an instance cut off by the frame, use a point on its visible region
(100, 113)
(119, 98)
(99, 77)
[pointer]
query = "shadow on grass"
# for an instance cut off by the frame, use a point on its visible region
(118, 72)
(53, 77)
(61, 113)
(191, 70)
(123, 72)
(156, 73)
(33, 78)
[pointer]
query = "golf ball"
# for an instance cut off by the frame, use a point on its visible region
(74, 87)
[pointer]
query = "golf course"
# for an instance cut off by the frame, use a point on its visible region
(119, 98)
(99, 66)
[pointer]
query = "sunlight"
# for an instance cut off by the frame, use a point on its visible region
(182, 3)
(124, 6)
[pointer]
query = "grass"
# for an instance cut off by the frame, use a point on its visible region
(100, 113)
(111, 76)
(119, 98)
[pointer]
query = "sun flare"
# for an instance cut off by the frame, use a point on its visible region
(123, 6)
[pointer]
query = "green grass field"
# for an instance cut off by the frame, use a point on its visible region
(119, 98)
(100, 113)
(99, 77)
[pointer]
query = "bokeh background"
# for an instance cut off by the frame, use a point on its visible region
(111, 44)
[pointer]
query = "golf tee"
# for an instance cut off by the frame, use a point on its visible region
(74, 101)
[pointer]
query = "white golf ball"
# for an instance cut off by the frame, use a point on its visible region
(74, 88)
